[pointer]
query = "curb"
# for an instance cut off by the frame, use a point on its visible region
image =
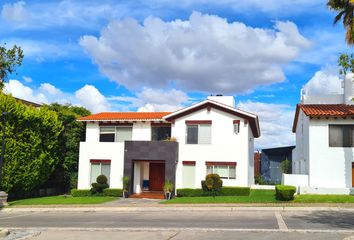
(170, 209)
(184, 229)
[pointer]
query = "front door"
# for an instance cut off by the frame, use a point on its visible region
(352, 174)
(156, 176)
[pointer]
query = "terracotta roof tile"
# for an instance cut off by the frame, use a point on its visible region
(323, 110)
(111, 116)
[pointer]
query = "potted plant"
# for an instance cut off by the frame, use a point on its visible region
(126, 181)
(168, 188)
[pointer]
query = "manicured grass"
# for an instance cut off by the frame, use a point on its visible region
(61, 200)
(324, 199)
(256, 196)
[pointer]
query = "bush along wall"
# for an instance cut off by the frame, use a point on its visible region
(108, 192)
(225, 191)
(284, 192)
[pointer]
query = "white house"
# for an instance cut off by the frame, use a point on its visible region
(323, 160)
(211, 136)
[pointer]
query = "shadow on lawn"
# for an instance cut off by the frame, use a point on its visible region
(344, 220)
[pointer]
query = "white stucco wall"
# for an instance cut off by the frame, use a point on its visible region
(301, 152)
(329, 166)
(141, 131)
(113, 151)
(226, 146)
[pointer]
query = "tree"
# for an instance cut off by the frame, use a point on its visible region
(9, 60)
(31, 145)
(346, 63)
(69, 140)
(285, 166)
(212, 184)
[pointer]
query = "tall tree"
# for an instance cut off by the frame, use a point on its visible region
(69, 141)
(9, 60)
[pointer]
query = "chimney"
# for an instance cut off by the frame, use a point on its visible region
(227, 100)
(349, 89)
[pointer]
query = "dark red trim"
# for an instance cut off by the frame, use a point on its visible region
(221, 163)
(100, 161)
(236, 121)
(188, 163)
(160, 124)
(190, 122)
(253, 121)
(115, 124)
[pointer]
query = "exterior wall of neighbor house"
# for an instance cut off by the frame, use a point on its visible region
(226, 146)
(300, 158)
(330, 167)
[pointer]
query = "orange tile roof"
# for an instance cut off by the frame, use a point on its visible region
(116, 116)
(323, 110)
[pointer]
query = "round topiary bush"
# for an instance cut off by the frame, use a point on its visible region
(102, 179)
(212, 184)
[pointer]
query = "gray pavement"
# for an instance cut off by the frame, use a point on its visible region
(205, 224)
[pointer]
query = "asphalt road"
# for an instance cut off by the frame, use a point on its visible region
(185, 225)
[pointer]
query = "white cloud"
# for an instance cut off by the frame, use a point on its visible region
(153, 100)
(275, 123)
(87, 96)
(27, 79)
(15, 12)
(91, 98)
(204, 53)
(325, 81)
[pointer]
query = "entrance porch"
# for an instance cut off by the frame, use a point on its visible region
(149, 176)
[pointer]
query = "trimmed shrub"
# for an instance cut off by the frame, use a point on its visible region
(99, 185)
(80, 193)
(284, 192)
(212, 184)
(113, 192)
(190, 192)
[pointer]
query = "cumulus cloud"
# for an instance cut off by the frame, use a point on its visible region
(204, 53)
(152, 100)
(15, 12)
(275, 123)
(325, 81)
(87, 96)
(27, 79)
(91, 98)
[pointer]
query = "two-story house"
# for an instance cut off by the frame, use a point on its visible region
(323, 160)
(211, 136)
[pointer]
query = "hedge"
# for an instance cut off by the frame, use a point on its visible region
(284, 192)
(109, 192)
(225, 191)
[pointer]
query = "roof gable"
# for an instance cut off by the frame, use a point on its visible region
(323, 110)
(252, 118)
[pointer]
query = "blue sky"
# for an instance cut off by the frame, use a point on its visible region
(159, 55)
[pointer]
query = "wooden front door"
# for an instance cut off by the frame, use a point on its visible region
(352, 174)
(156, 176)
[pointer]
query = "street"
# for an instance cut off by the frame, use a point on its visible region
(245, 224)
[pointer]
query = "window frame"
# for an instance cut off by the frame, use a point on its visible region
(347, 132)
(197, 124)
(115, 132)
(100, 163)
(157, 127)
(229, 166)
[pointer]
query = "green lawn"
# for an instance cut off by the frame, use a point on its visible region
(264, 196)
(59, 200)
(256, 196)
(324, 199)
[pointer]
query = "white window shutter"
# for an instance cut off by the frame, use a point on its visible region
(204, 134)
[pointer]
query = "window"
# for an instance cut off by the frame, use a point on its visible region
(159, 133)
(100, 168)
(225, 171)
(107, 134)
(115, 134)
(236, 126)
(199, 134)
(341, 135)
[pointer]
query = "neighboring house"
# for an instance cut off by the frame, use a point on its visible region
(323, 157)
(257, 163)
(28, 103)
(271, 159)
(211, 136)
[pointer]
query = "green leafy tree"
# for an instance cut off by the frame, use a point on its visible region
(346, 63)
(69, 140)
(31, 145)
(345, 10)
(9, 60)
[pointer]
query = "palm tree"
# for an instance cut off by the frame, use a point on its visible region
(345, 9)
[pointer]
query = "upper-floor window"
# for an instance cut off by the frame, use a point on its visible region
(160, 133)
(341, 135)
(198, 133)
(116, 134)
